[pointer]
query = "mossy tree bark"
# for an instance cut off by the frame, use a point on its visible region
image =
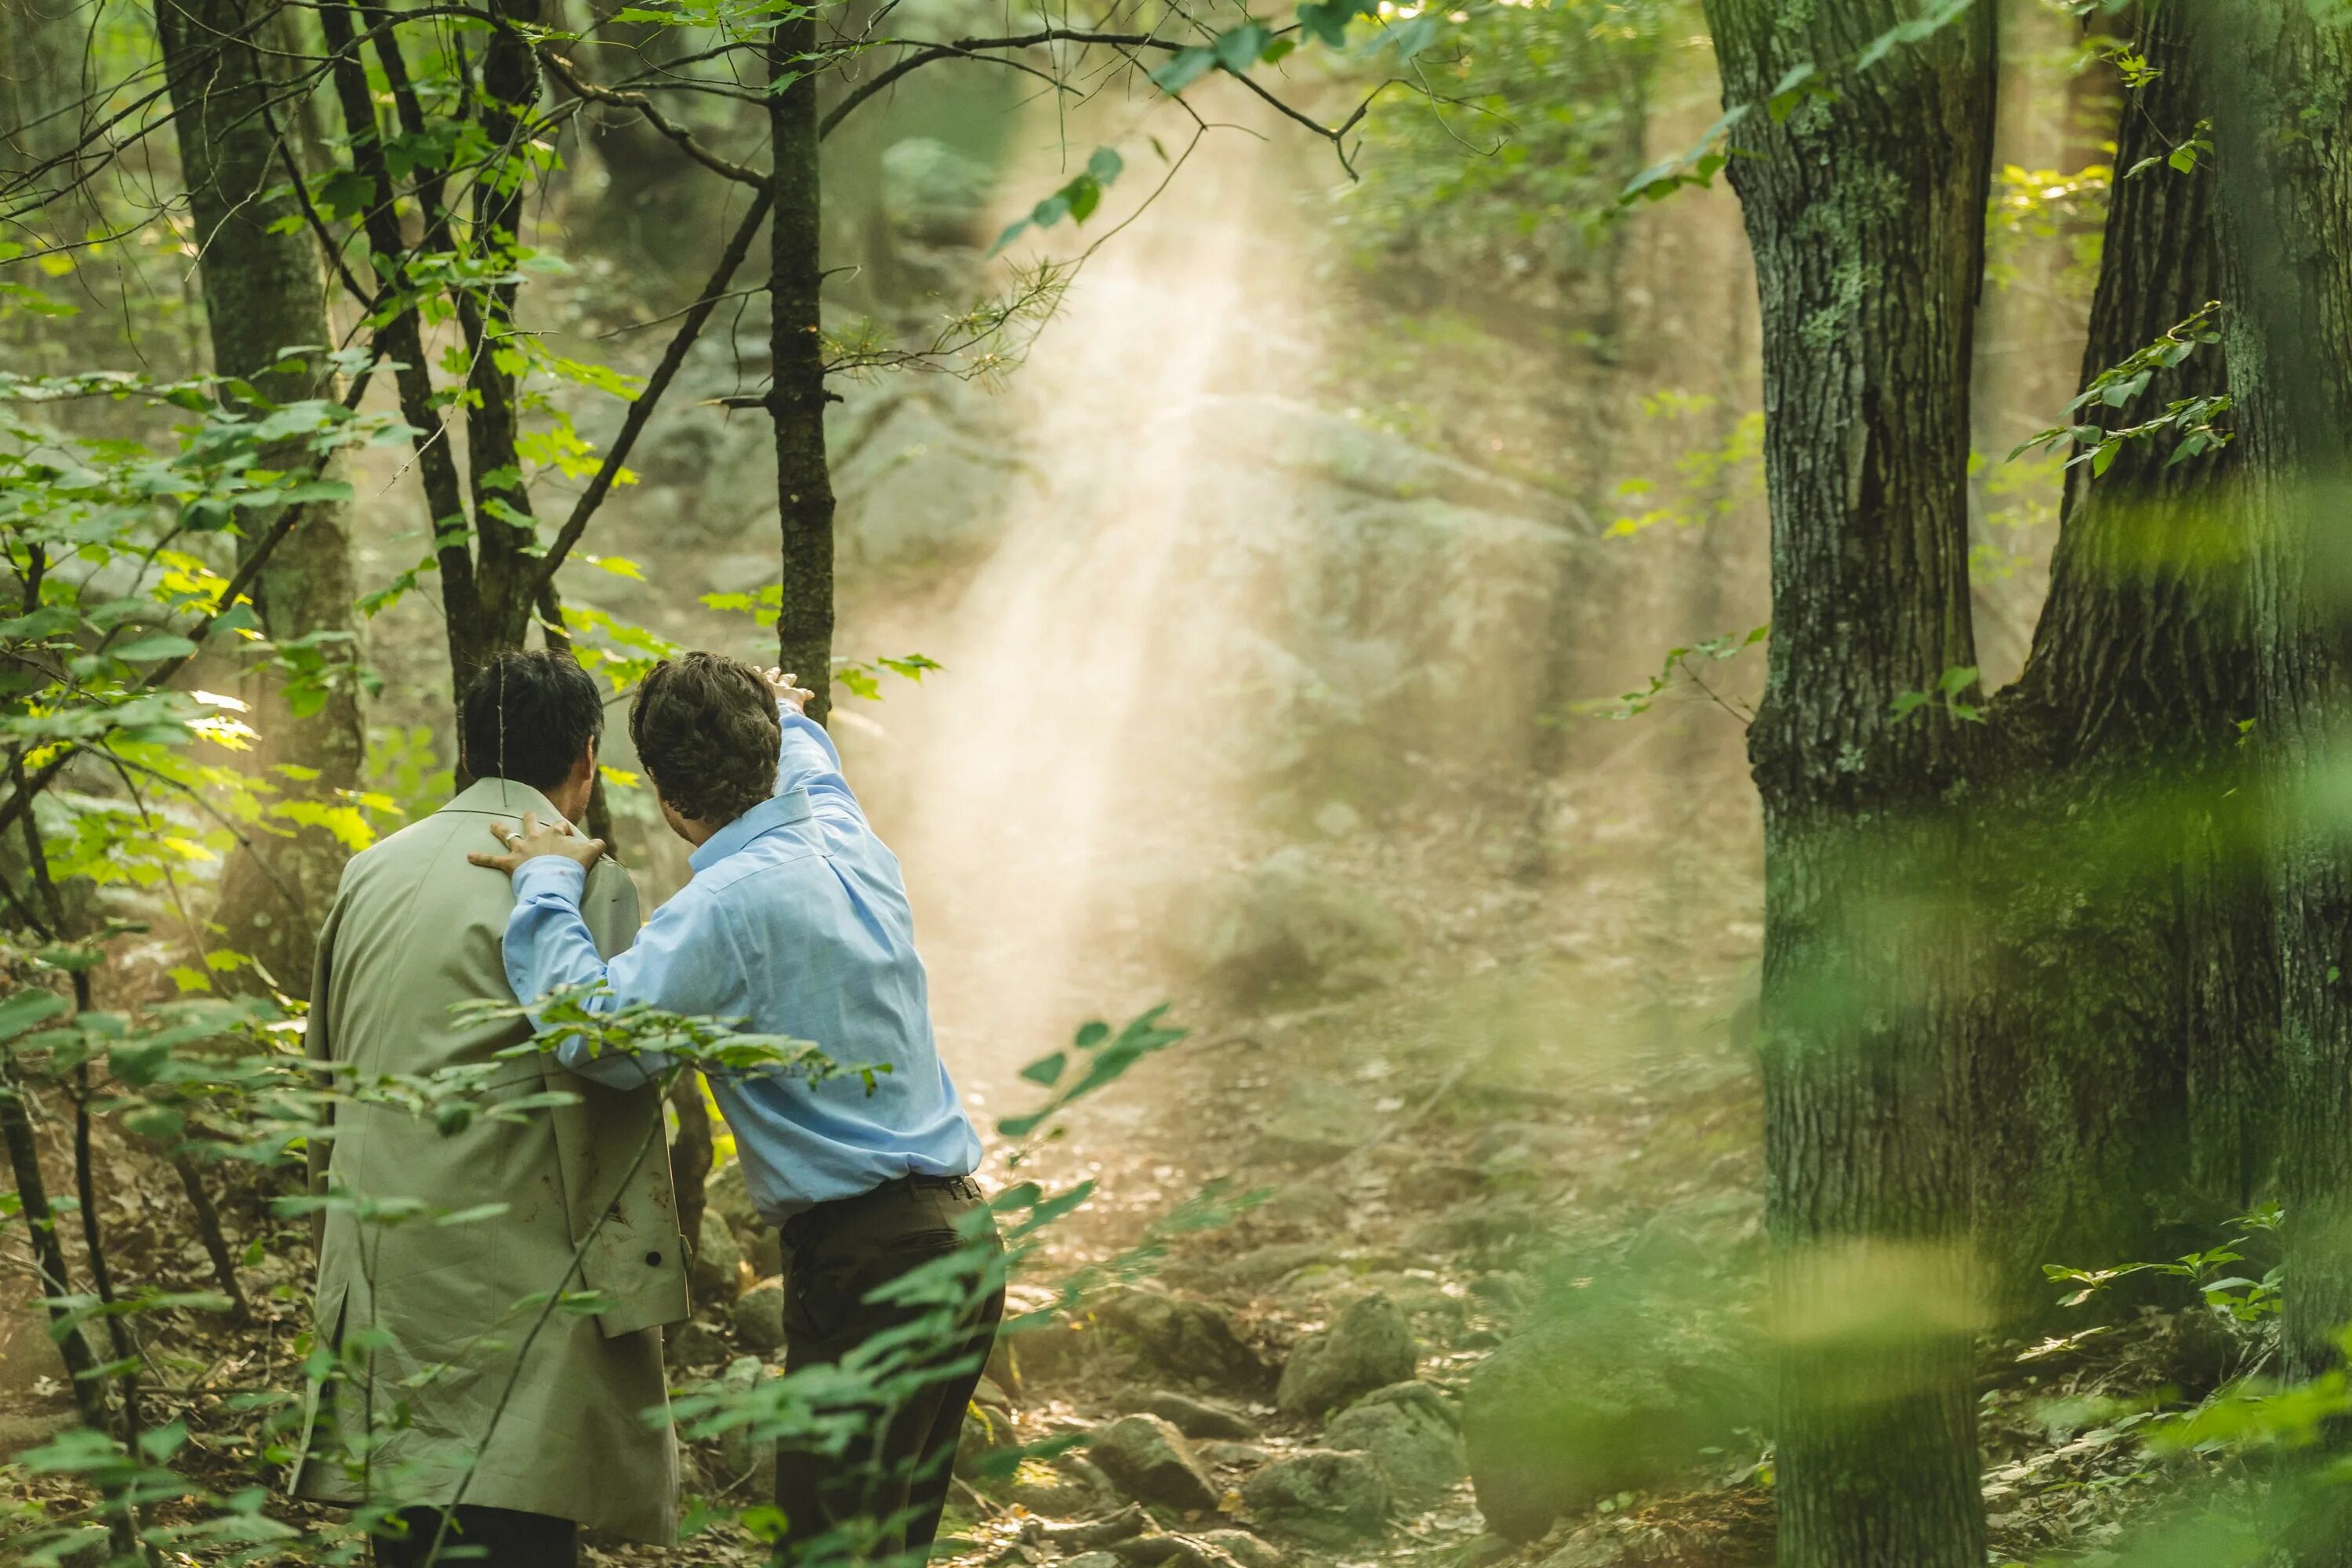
(2126, 1081)
(264, 292)
(2281, 113)
(1866, 211)
(798, 398)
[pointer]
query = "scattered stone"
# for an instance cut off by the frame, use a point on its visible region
(1249, 1550)
(695, 1344)
(1129, 1520)
(718, 1272)
(1368, 1346)
(1321, 1496)
(759, 1317)
(1338, 820)
(766, 1252)
(1147, 1459)
(1414, 1436)
(1581, 1408)
(1183, 1337)
(728, 1194)
(1231, 1456)
(1094, 1559)
(1197, 1418)
(1288, 923)
(1265, 1266)
(1050, 1491)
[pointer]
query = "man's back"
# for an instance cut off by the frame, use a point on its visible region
(415, 933)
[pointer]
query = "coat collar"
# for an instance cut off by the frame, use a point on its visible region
(504, 797)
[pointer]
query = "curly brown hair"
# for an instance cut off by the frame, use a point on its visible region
(705, 727)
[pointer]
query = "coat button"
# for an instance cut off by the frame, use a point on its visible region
(653, 1259)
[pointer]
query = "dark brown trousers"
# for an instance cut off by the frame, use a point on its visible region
(836, 1255)
(488, 1537)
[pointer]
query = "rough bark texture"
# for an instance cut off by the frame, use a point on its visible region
(264, 292)
(1866, 214)
(2283, 135)
(2127, 1080)
(803, 483)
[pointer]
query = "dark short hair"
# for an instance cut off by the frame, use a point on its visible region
(704, 726)
(529, 715)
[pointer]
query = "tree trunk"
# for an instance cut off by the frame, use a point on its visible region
(1866, 211)
(2128, 1079)
(797, 400)
(2286, 244)
(264, 292)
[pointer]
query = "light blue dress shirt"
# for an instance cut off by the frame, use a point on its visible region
(796, 922)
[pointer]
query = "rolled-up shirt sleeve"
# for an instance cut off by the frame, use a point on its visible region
(807, 760)
(548, 948)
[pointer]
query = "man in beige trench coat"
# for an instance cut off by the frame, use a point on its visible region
(530, 1425)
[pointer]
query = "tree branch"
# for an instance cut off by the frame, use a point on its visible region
(674, 357)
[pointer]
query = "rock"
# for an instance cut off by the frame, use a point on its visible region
(695, 1344)
(934, 195)
(1368, 1346)
(766, 1253)
(1317, 1122)
(1249, 1550)
(1147, 1459)
(1196, 1418)
(718, 1263)
(726, 1193)
(1265, 1266)
(1288, 923)
(922, 487)
(1094, 1559)
(1056, 1491)
(759, 1317)
(1414, 1436)
(1620, 1397)
(1232, 1456)
(1182, 1338)
(1320, 1496)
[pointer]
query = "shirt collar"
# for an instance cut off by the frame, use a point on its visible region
(504, 797)
(778, 810)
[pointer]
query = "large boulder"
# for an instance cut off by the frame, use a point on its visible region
(1320, 1496)
(1289, 924)
(1147, 1459)
(1183, 1338)
(759, 1317)
(1196, 1418)
(1370, 1345)
(930, 479)
(1413, 1433)
(718, 1263)
(933, 194)
(1584, 1406)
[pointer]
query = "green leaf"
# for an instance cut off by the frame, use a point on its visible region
(1239, 50)
(1091, 1035)
(1184, 68)
(1047, 1071)
(155, 647)
(1105, 165)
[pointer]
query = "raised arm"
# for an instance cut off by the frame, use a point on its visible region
(807, 760)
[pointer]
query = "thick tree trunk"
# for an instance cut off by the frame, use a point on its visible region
(797, 400)
(2128, 1080)
(264, 292)
(1866, 213)
(2286, 229)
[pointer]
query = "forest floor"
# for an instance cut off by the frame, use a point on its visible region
(1564, 1102)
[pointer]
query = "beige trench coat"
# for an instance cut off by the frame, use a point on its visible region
(415, 929)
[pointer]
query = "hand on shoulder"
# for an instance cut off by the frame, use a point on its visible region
(535, 839)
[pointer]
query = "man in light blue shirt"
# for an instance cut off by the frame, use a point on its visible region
(796, 922)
